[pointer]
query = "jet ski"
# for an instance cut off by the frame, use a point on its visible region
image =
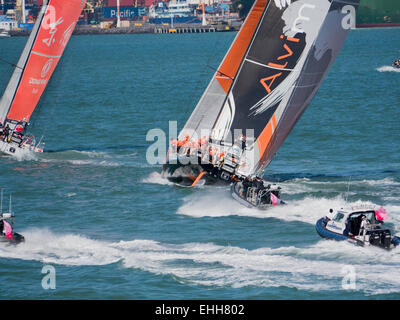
(8, 235)
(347, 225)
(396, 64)
(256, 193)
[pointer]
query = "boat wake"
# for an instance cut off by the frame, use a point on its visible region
(129, 158)
(220, 204)
(80, 158)
(27, 156)
(155, 178)
(321, 266)
(308, 209)
(388, 69)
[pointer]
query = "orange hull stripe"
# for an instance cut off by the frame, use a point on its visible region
(235, 55)
(191, 177)
(198, 178)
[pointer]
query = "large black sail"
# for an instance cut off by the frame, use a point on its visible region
(268, 78)
(291, 51)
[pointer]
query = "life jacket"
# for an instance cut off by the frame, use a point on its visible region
(180, 143)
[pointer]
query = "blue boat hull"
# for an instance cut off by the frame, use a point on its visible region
(324, 233)
(320, 227)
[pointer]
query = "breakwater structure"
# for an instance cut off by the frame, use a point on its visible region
(185, 29)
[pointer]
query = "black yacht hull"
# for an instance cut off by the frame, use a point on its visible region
(186, 174)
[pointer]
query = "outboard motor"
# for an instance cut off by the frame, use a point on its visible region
(277, 193)
(375, 239)
(386, 238)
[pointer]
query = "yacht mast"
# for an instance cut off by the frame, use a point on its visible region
(118, 16)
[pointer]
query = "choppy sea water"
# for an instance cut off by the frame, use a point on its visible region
(93, 208)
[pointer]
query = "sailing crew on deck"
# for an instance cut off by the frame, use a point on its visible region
(221, 159)
(243, 140)
(6, 133)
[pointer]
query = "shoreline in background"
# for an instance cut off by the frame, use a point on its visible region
(145, 28)
(178, 28)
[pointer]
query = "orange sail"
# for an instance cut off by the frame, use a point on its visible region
(58, 20)
(233, 58)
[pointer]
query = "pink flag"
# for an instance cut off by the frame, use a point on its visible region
(8, 230)
(381, 214)
(274, 199)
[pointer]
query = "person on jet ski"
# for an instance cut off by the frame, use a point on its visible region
(6, 132)
(396, 64)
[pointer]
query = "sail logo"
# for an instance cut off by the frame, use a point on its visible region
(299, 20)
(268, 81)
(47, 67)
(301, 17)
(67, 34)
(37, 81)
(349, 21)
(52, 32)
(50, 22)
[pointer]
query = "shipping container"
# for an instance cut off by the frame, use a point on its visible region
(148, 3)
(122, 3)
(124, 12)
